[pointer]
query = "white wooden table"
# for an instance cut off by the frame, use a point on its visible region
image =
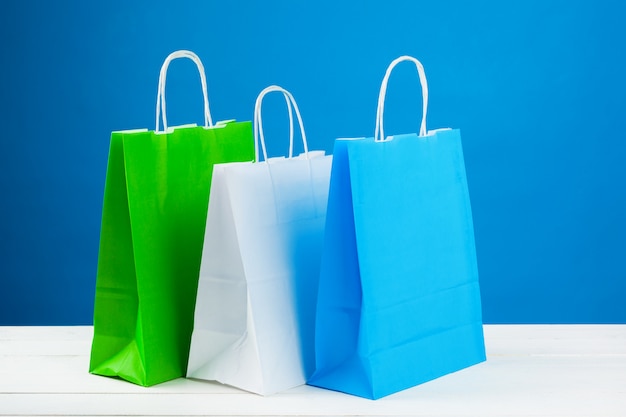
(531, 370)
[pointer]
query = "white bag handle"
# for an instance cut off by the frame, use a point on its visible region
(258, 122)
(160, 106)
(379, 134)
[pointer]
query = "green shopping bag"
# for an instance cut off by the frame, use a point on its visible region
(155, 205)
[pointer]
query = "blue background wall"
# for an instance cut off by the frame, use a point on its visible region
(538, 89)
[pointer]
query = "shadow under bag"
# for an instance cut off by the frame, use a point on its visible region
(155, 204)
(399, 300)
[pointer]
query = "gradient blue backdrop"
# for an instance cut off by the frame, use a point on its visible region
(538, 89)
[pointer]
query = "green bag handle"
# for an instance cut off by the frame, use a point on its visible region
(379, 135)
(160, 106)
(292, 106)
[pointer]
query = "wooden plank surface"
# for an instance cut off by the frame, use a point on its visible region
(532, 370)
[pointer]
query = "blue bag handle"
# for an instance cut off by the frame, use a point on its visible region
(379, 135)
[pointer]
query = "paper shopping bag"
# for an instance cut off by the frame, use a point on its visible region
(398, 301)
(255, 310)
(155, 204)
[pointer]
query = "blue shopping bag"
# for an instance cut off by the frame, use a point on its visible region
(399, 298)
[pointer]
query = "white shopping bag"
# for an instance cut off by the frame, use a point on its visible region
(255, 310)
